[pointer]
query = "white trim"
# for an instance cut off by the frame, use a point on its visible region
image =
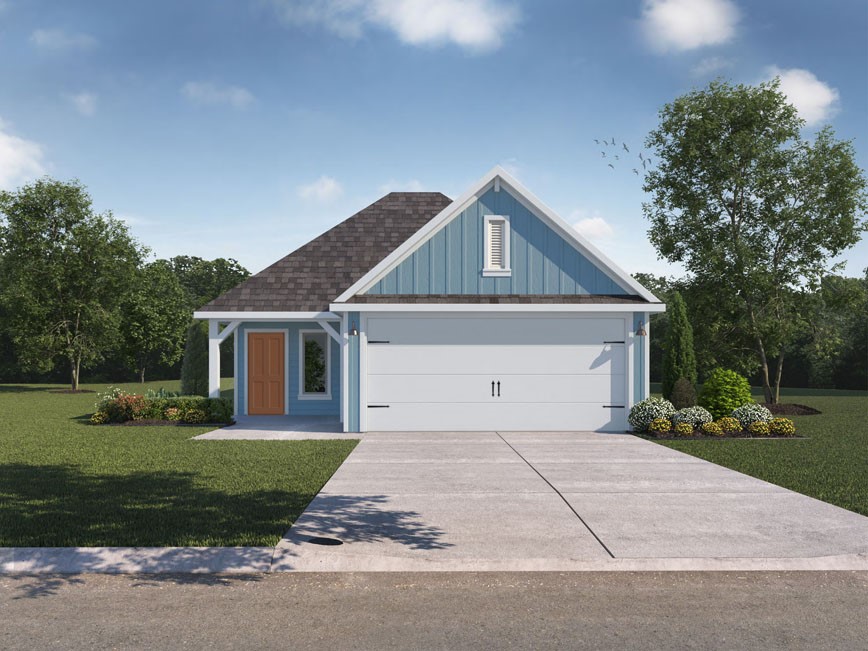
(267, 316)
(235, 372)
(213, 358)
(285, 332)
(345, 367)
(363, 372)
(497, 307)
(629, 367)
(527, 199)
(488, 270)
(328, 371)
(330, 330)
(646, 379)
(228, 330)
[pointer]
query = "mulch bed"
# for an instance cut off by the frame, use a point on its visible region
(70, 391)
(791, 409)
(168, 423)
(734, 435)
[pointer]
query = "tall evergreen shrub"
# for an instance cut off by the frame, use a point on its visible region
(679, 359)
(194, 369)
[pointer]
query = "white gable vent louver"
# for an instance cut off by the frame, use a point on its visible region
(496, 245)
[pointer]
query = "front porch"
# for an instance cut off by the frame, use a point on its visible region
(280, 428)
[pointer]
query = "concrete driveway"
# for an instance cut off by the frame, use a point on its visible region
(557, 501)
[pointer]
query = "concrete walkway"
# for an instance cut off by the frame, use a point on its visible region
(280, 428)
(558, 501)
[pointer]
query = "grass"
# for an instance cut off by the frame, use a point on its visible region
(64, 482)
(831, 463)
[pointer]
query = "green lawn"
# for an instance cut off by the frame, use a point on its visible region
(64, 482)
(831, 464)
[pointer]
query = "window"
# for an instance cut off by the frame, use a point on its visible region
(314, 357)
(496, 246)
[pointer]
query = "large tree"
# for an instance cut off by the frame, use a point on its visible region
(753, 210)
(679, 359)
(205, 280)
(155, 318)
(63, 272)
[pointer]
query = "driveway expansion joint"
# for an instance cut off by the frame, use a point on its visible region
(570, 506)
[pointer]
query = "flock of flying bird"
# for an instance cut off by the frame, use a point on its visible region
(643, 159)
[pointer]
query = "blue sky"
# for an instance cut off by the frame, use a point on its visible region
(244, 128)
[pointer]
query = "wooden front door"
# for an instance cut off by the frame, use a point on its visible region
(266, 373)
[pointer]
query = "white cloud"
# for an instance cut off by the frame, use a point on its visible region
(688, 24)
(413, 185)
(324, 189)
(20, 159)
(84, 103)
(710, 66)
(593, 226)
(208, 93)
(814, 100)
(479, 25)
(58, 39)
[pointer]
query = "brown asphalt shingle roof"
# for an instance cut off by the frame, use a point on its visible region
(311, 277)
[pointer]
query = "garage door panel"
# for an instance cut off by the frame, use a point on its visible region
(451, 359)
(472, 331)
(449, 388)
(462, 417)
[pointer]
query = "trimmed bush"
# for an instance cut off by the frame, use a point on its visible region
(647, 410)
(693, 416)
(683, 429)
(759, 428)
(712, 429)
(782, 427)
(679, 358)
(729, 424)
(117, 407)
(194, 368)
(723, 391)
(660, 426)
(751, 413)
(195, 415)
(683, 394)
(98, 418)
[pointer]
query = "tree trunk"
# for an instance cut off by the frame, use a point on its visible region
(142, 375)
(767, 388)
(76, 366)
(778, 372)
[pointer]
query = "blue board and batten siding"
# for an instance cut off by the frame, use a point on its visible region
(297, 406)
(451, 261)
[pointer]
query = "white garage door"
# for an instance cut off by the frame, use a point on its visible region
(477, 373)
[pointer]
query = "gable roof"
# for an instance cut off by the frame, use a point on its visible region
(496, 177)
(310, 277)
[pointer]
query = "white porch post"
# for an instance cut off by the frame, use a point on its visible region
(213, 358)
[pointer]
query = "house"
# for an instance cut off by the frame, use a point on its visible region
(488, 312)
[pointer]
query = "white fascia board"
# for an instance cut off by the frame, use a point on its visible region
(267, 316)
(497, 175)
(497, 307)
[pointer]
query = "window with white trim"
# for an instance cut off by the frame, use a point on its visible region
(314, 357)
(496, 246)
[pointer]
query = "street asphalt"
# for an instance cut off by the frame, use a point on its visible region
(396, 610)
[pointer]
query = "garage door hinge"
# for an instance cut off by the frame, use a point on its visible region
(614, 407)
(375, 341)
(613, 342)
(378, 406)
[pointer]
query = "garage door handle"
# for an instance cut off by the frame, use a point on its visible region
(498, 388)
(492, 388)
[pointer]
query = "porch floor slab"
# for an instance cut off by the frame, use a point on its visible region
(280, 428)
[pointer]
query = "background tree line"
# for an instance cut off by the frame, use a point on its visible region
(79, 295)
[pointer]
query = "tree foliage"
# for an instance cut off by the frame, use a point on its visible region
(205, 280)
(679, 359)
(753, 210)
(194, 369)
(155, 318)
(65, 270)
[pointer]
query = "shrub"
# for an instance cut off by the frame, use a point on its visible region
(729, 424)
(679, 359)
(683, 429)
(751, 413)
(161, 393)
(712, 429)
(782, 427)
(660, 426)
(98, 418)
(683, 394)
(172, 413)
(723, 391)
(645, 411)
(693, 416)
(120, 406)
(194, 368)
(195, 415)
(759, 428)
